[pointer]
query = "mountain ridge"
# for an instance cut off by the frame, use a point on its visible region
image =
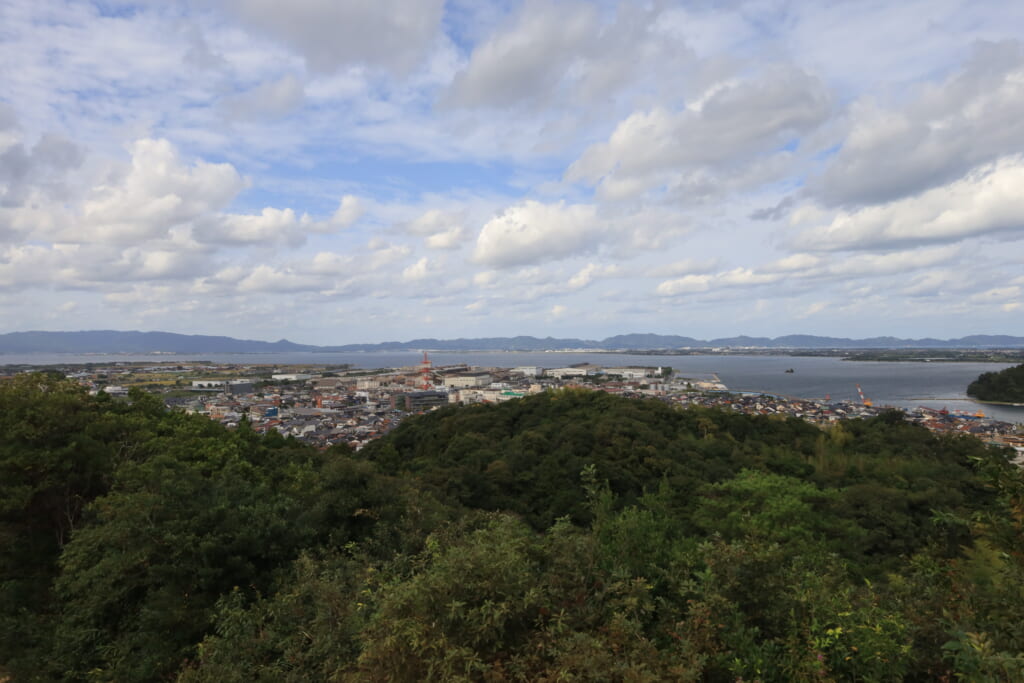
(132, 341)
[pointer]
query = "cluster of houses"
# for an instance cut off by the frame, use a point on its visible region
(824, 413)
(329, 406)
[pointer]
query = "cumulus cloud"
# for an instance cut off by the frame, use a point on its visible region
(533, 232)
(350, 209)
(987, 201)
(76, 266)
(731, 125)
(268, 227)
(442, 229)
(159, 198)
(973, 117)
(157, 193)
(330, 34)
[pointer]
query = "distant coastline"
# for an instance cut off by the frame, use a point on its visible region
(171, 344)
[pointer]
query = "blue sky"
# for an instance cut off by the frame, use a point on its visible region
(338, 172)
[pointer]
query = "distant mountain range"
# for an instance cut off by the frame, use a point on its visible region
(111, 341)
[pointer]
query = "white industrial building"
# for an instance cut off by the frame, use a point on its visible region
(633, 372)
(467, 380)
(582, 371)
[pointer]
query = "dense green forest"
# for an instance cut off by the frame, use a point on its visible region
(1005, 386)
(572, 535)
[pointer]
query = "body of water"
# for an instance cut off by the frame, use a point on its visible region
(905, 385)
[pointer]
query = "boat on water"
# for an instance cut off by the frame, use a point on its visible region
(790, 371)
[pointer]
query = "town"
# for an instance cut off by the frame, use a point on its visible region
(338, 404)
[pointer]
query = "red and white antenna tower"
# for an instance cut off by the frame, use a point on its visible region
(425, 370)
(865, 401)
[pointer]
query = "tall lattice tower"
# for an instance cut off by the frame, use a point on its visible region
(425, 371)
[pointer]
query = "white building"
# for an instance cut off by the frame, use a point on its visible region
(633, 372)
(468, 380)
(529, 371)
(585, 371)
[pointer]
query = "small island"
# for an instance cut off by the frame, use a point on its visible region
(1005, 386)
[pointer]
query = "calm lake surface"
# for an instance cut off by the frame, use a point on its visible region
(905, 385)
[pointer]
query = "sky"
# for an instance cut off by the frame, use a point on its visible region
(333, 171)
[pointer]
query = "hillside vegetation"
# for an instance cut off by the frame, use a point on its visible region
(571, 535)
(1006, 386)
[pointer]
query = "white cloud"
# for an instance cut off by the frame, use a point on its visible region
(432, 221)
(808, 269)
(687, 266)
(331, 34)
(973, 117)
(449, 239)
(688, 284)
(723, 130)
(485, 278)
(794, 262)
(265, 278)
(442, 229)
(157, 193)
(350, 209)
(590, 273)
(892, 263)
(533, 232)
(81, 266)
(417, 271)
(268, 227)
(988, 200)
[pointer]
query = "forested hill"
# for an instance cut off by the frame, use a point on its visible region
(112, 341)
(1003, 386)
(569, 535)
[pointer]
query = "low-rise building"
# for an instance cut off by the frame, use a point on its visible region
(468, 379)
(415, 401)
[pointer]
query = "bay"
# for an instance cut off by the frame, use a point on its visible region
(900, 384)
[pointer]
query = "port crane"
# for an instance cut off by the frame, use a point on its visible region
(866, 401)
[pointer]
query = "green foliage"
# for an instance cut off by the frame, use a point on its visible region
(571, 535)
(1005, 386)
